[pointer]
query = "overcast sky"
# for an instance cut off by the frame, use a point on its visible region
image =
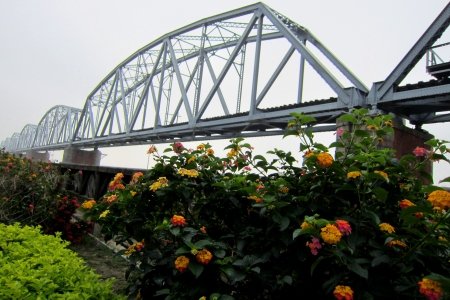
(56, 52)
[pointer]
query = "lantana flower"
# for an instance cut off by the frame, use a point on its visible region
(440, 199)
(419, 151)
(432, 290)
(324, 159)
(314, 245)
(382, 174)
(178, 220)
(181, 263)
(343, 227)
(405, 203)
(330, 234)
(88, 204)
(387, 227)
(343, 292)
(204, 256)
(354, 174)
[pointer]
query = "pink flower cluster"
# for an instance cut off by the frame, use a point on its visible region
(420, 151)
(314, 245)
(343, 227)
(177, 147)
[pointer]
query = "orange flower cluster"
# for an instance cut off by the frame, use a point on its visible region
(210, 151)
(396, 242)
(88, 204)
(203, 229)
(324, 159)
(432, 290)
(405, 203)
(135, 247)
(204, 256)
(440, 199)
(330, 234)
(258, 200)
(387, 227)
(115, 183)
(182, 263)
(188, 173)
(232, 153)
(136, 176)
(111, 199)
(344, 227)
(343, 292)
(354, 174)
(178, 220)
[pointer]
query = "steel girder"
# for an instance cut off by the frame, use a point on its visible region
(54, 131)
(174, 88)
(418, 105)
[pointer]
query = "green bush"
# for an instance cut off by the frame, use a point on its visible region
(37, 266)
(358, 226)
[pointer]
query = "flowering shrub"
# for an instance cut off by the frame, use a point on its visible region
(358, 226)
(31, 193)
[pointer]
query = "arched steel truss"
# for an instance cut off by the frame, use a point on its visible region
(190, 85)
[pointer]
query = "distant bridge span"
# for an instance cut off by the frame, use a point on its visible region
(190, 85)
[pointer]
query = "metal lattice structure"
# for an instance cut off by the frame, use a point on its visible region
(208, 81)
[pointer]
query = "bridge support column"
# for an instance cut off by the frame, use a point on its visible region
(37, 156)
(77, 156)
(404, 141)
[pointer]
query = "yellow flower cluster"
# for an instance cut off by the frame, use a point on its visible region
(192, 159)
(103, 214)
(162, 182)
(382, 174)
(373, 127)
(387, 227)
(440, 199)
(188, 173)
(88, 204)
(306, 225)
(324, 159)
(330, 234)
(210, 151)
(284, 189)
(200, 147)
(232, 153)
(291, 124)
(182, 263)
(354, 174)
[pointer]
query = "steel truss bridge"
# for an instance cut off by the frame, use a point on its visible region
(209, 80)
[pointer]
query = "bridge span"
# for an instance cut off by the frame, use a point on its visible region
(208, 80)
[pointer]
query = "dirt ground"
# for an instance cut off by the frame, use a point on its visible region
(103, 262)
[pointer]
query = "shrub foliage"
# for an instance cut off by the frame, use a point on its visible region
(358, 226)
(37, 266)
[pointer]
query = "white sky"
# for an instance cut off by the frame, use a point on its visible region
(55, 52)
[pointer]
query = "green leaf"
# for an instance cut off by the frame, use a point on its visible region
(432, 143)
(427, 176)
(362, 133)
(290, 132)
(381, 193)
(331, 283)
(347, 118)
(175, 230)
(256, 269)
(321, 147)
(195, 268)
(346, 187)
(445, 180)
(202, 243)
(302, 231)
(361, 158)
(431, 188)
(354, 267)
(314, 265)
(183, 250)
(285, 221)
(215, 295)
(336, 144)
(380, 259)
(287, 279)
(162, 292)
(219, 253)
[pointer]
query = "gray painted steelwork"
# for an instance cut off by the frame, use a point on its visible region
(173, 89)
